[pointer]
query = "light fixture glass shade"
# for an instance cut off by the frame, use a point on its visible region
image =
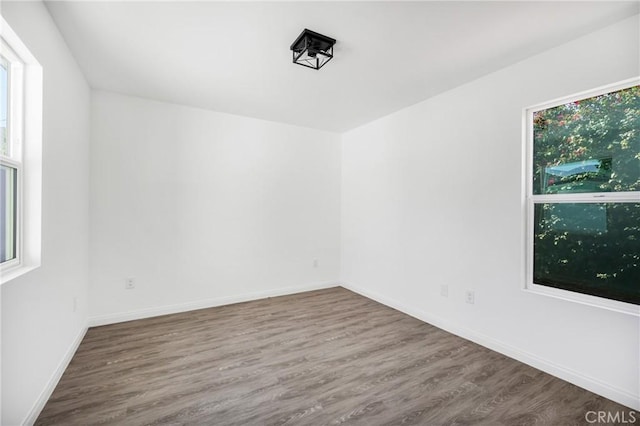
(312, 49)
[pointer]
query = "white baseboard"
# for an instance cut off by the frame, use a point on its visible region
(44, 396)
(596, 386)
(202, 304)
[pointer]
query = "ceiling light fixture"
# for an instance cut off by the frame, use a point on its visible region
(312, 49)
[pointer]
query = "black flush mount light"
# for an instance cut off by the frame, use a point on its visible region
(312, 50)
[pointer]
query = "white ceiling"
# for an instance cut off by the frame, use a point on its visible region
(234, 57)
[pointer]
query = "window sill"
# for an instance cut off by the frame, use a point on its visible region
(585, 299)
(15, 272)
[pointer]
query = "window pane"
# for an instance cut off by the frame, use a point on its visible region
(591, 145)
(591, 248)
(4, 106)
(8, 209)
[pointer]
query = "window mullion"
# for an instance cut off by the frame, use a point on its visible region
(619, 197)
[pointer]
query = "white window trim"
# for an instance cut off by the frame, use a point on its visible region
(529, 200)
(27, 143)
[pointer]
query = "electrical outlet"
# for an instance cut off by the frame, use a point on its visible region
(444, 290)
(470, 297)
(315, 263)
(130, 283)
(75, 304)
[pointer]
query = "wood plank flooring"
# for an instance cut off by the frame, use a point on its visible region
(326, 357)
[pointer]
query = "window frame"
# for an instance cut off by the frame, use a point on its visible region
(24, 133)
(530, 200)
(15, 130)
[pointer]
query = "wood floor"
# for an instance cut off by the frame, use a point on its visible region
(326, 357)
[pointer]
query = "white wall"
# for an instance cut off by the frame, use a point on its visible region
(204, 208)
(39, 327)
(432, 195)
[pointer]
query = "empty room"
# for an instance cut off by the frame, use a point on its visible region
(319, 212)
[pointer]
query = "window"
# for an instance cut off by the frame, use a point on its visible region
(20, 156)
(583, 198)
(11, 69)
